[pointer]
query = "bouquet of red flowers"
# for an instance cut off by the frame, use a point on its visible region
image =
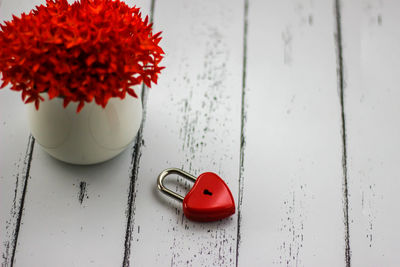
(91, 49)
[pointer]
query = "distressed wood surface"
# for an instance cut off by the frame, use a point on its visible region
(193, 122)
(15, 156)
(292, 210)
(372, 102)
(293, 103)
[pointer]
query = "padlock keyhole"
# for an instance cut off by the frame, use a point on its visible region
(206, 192)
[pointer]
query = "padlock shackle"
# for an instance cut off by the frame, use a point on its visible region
(165, 173)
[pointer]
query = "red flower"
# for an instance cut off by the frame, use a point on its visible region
(92, 49)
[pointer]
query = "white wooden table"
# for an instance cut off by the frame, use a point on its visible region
(295, 103)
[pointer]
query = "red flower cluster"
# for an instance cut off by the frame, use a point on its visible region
(92, 49)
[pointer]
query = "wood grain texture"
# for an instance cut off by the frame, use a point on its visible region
(15, 151)
(372, 100)
(292, 172)
(75, 215)
(193, 122)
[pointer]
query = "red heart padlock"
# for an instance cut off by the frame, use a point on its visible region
(209, 199)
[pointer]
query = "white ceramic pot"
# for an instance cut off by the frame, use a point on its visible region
(91, 136)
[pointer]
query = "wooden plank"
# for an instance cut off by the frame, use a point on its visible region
(193, 122)
(292, 172)
(75, 215)
(372, 102)
(15, 150)
(15, 154)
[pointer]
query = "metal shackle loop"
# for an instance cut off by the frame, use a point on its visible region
(165, 173)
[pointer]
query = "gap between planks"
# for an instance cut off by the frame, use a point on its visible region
(341, 87)
(27, 163)
(135, 167)
(242, 128)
